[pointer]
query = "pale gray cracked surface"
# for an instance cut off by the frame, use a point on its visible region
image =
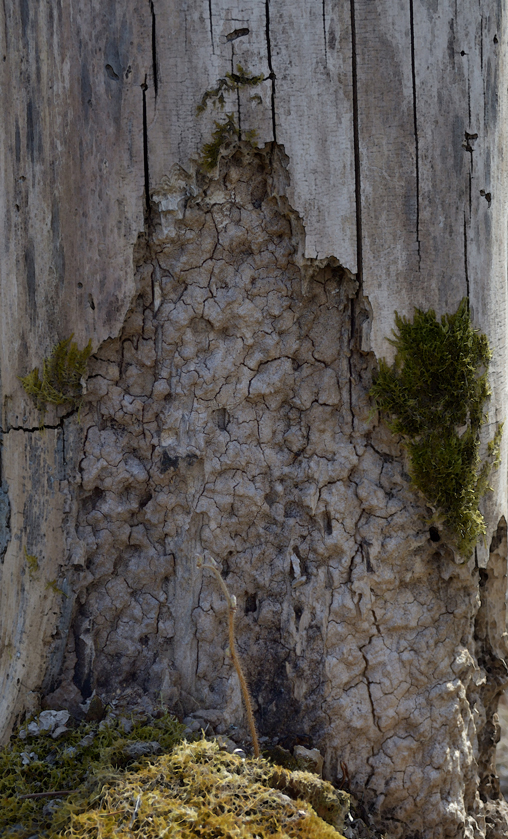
(232, 416)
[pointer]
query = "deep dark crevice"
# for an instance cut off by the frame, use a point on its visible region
(328, 523)
(493, 665)
(356, 144)
(466, 272)
(155, 68)
(469, 98)
(211, 24)
(324, 32)
(40, 428)
(481, 44)
(5, 512)
(415, 122)
(270, 67)
(238, 104)
(358, 197)
(144, 88)
(367, 683)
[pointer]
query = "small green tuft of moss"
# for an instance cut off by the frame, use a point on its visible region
(61, 378)
(434, 395)
(32, 562)
(230, 83)
(226, 132)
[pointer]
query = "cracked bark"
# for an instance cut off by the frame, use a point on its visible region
(228, 400)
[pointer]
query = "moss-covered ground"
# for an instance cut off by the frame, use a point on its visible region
(190, 789)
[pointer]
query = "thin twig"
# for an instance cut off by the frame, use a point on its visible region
(243, 682)
(135, 813)
(231, 601)
(47, 794)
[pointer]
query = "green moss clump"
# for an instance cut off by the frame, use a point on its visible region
(434, 395)
(32, 562)
(193, 790)
(230, 83)
(61, 378)
(224, 133)
(227, 131)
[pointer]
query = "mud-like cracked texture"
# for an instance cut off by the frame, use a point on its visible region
(232, 416)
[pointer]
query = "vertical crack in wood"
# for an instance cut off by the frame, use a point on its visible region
(481, 44)
(415, 121)
(358, 197)
(270, 67)
(5, 510)
(211, 25)
(469, 98)
(237, 92)
(356, 145)
(144, 88)
(324, 32)
(155, 71)
(465, 256)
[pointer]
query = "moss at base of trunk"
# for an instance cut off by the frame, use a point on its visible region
(106, 780)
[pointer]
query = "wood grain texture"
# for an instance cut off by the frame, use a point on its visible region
(430, 139)
(71, 202)
(312, 61)
(30, 607)
(304, 52)
(71, 163)
(387, 172)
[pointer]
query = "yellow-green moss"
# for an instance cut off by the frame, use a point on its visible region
(434, 395)
(197, 790)
(61, 378)
(32, 562)
(193, 790)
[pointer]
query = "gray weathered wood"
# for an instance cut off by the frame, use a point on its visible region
(230, 412)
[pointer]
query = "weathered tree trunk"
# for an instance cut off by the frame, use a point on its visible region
(236, 319)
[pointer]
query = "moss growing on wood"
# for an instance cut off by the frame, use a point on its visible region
(61, 378)
(32, 563)
(229, 84)
(434, 395)
(226, 132)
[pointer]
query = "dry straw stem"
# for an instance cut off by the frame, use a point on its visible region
(231, 601)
